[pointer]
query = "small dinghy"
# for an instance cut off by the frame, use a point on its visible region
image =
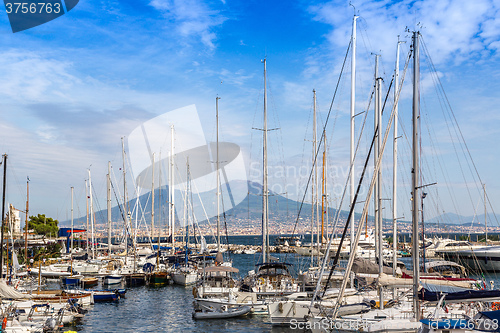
(105, 296)
(89, 282)
(223, 313)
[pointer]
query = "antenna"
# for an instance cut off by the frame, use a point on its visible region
(354, 8)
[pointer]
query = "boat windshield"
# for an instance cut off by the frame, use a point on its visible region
(273, 269)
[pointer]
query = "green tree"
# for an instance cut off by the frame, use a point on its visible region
(43, 225)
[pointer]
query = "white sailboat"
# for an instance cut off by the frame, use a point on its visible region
(402, 317)
(271, 278)
(186, 274)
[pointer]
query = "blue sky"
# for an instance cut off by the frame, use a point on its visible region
(71, 88)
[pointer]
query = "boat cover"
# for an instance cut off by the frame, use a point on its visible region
(362, 265)
(434, 296)
(8, 292)
(442, 288)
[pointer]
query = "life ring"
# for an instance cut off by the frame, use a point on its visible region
(262, 281)
(495, 306)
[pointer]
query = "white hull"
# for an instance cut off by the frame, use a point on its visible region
(288, 312)
(487, 258)
(112, 279)
(185, 278)
(256, 307)
(49, 274)
(67, 318)
(229, 313)
(86, 269)
(208, 291)
(307, 251)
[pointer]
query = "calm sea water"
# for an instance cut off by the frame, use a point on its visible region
(169, 308)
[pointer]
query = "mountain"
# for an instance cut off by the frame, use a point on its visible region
(280, 207)
(250, 208)
(455, 219)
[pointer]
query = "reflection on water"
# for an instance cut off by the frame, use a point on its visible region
(169, 309)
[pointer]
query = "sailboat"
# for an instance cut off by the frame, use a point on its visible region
(186, 274)
(310, 249)
(72, 280)
(288, 311)
(133, 278)
(113, 277)
(216, 280)
(272, 278)
(158, 277)
(396, 318)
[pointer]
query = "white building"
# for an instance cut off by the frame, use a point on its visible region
(14, 220)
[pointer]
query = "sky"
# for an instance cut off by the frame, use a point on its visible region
(70, 90)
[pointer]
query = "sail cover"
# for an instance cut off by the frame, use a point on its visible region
(8, 292)
(461, 296)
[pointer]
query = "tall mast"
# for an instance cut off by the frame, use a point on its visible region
(485, 219)
(153, 197)
(135, 227)
(159, 217)
(87, 202)
(26, 223)
(326, 183)
(91, 215)
(265, 240)
(187, 207)
(323, 189)
(171, 190)
(217, 166)
(313, 184)
(376, 153)
(378, 188)
(395, 167)
(415, 173)
(108, 178)
(72, 231)
(353, 101)
(3, 210)
(316, 178)
(125, 205)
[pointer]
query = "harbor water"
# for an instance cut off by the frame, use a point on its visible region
(170, 308)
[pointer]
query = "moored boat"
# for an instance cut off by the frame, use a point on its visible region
(105, 295)
(112, 279)
(185, 276)
(158, 279)
(73, 280)
(222, 313)
(135, 279)
(89, 282)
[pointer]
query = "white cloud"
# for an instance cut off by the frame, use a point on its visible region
(56, 121)
(451, 29)
(191, 18)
